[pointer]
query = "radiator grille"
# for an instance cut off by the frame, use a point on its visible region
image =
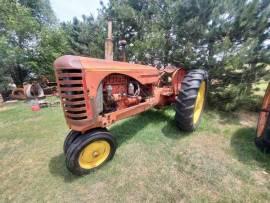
(70, 83)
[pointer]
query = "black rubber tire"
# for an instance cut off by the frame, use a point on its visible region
(185, 102)
(74, 150)
(72, 135)
(263, 142)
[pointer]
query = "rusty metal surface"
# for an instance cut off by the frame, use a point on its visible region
(18, 93)
(72, 93)
(78, 79)
(264, 114)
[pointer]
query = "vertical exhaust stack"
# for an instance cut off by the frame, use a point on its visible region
(123, 44)
(109, 43)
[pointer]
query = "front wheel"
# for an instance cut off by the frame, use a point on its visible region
(90, 151)
(73, 135)
(191, 100)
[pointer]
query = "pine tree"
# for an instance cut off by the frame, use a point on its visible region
(86, 37)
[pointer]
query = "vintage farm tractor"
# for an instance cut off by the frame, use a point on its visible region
(262, 140)
(96, 93)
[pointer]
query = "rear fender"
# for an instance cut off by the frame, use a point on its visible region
(177, 79)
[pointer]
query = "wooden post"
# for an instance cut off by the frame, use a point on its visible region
(109, 43)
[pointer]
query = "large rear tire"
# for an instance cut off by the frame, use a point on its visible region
(90, 151)
(262, 139)
(191, 100)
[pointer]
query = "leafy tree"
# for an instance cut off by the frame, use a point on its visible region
(17, 36)
(41, 10)
(52, 44)
(30, 40)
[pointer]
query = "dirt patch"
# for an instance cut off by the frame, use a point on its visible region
(5, 108)
(248, 119)
(261, 177)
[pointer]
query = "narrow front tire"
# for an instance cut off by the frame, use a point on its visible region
(90, 151)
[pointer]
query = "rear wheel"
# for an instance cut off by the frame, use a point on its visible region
(262, 140)
(89, 151)
(191, 100)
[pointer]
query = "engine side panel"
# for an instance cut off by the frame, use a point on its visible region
(121, 91)
(118, 82)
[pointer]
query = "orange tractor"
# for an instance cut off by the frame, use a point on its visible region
(262, 140)
(96, 93)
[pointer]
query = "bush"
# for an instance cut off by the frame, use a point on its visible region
(234, 97)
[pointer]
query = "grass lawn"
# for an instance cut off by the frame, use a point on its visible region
(260, 87)
(154, 162)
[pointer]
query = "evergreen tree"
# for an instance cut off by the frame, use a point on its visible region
(86, 37)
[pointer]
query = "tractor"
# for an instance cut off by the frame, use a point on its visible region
(262, 139)
(96, 93)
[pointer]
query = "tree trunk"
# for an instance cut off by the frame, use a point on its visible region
(18, 74)
(1, 100)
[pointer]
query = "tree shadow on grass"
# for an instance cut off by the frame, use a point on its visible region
(242, 143)
(170, 130)
(57, 167)
(224, 117)
(130, 127)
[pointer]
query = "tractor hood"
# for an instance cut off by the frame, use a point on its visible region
(93, 64)
(97, 69)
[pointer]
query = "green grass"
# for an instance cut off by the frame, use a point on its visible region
(259, 88)
(154, 162)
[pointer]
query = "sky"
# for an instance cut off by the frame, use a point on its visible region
(65, 10)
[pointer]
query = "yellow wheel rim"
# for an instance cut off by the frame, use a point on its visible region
(199, 102)
(94, 154)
